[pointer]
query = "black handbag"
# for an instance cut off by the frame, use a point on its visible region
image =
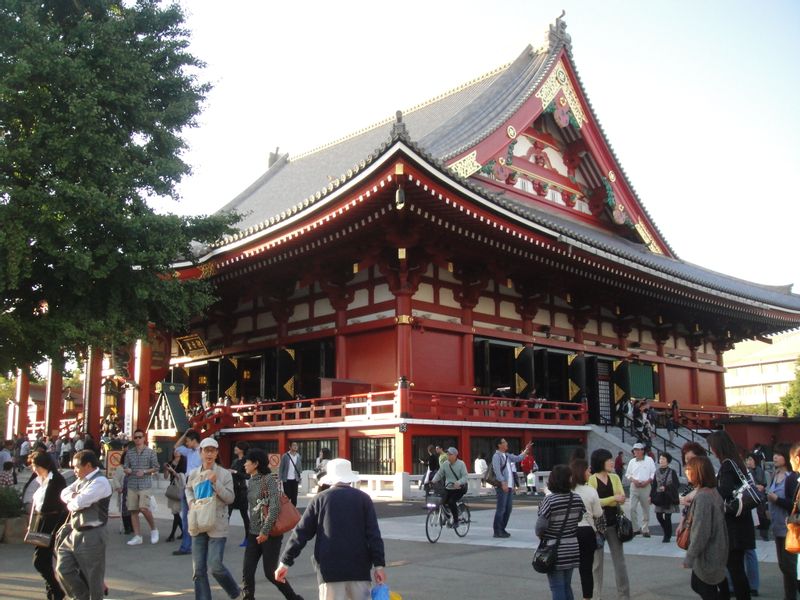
(544, 559)
(35, 535)
(746, 497)
(624, 527)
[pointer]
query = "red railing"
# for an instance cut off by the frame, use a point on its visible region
(462, 407)
(385, 405)
(708, 419)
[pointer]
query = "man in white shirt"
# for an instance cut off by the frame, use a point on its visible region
(640, 473)
(81, 545)
(289, 472)
(24, 452)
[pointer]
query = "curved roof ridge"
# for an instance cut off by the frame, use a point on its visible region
(610, 147)
(414, 108)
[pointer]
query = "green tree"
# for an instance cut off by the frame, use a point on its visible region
(791, 400)
(94, 96)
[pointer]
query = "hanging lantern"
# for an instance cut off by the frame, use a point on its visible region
(69, 401)
(110, 394)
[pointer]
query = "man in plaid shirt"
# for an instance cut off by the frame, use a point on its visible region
(140, 464)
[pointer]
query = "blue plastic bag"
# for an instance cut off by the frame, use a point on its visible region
(380, 592)
(203, 490)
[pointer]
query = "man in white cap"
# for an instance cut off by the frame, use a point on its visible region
(640, 473)
(348, 540)
(208, 547)
(454, 473)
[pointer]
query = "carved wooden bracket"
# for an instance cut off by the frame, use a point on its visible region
(473, 281)
(334, 284)
(403, 274)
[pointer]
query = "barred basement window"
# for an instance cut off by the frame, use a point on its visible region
(419, 450)
(373, 456)
(309, 450)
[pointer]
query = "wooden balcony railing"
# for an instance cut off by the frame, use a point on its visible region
(385, 405)
(461, 407)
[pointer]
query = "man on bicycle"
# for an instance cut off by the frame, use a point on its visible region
(454, 473)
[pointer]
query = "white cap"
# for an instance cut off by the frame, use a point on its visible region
(209, 442)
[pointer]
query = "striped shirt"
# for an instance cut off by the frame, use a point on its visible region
(552, 512)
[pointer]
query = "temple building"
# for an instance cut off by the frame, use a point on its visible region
(477, 266)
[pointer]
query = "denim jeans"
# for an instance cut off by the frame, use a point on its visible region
(750, 569)
(503, 510)
(208, 552)
(561, 584)
(186, 540)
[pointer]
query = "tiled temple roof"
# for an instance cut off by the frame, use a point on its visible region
(441, 129)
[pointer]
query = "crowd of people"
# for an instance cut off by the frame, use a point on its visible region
(580, 515)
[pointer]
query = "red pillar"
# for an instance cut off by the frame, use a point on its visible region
(22, 396)
(141, 374)
(467, 350)
(54, 403)
(403, 315)
(341, 345)
(92, 393)
(344, 444)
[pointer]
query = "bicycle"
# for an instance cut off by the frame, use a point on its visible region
(439, 517)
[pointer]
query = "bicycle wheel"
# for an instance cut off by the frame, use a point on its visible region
(433, 525)
(464, 519)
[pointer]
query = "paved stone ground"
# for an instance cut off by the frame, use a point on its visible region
(476, 567)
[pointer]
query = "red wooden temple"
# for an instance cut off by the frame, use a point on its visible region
(478, 266)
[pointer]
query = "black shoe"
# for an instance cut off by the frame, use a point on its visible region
(171, 538)
(181, 552)
(754, 593)
(646, 534)
(506, 534)
(502, 534)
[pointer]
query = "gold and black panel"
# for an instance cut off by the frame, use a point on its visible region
(576, 385)
(227, 379)
(523, 375)
(286, 373)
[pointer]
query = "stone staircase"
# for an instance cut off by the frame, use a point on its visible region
(614, 439)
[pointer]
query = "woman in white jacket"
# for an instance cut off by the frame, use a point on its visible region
(587, 527)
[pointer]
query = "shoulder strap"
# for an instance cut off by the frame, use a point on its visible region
(796, 496)
(742, 478)
(564, 522)
(449, 466)
(289, 456)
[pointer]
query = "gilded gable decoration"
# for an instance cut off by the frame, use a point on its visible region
(648, 240)
(558, 82)
(466, 166)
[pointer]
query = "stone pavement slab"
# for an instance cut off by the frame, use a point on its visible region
(476, 567)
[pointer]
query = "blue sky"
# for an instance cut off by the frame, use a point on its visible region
(698, 99)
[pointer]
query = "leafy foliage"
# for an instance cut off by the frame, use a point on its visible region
(94, 95)
(791, 400)
(10, 503)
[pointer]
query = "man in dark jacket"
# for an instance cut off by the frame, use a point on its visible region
(348, 540)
